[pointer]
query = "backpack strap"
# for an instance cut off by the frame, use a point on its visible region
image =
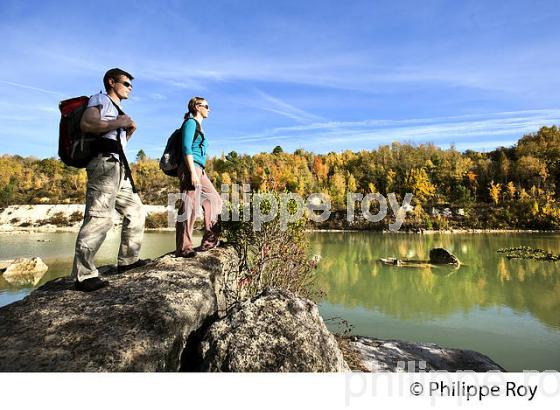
(198, 131)
(128, 172)
(180, 138)
(197, 125)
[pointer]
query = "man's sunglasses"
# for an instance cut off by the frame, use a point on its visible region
(125, 83)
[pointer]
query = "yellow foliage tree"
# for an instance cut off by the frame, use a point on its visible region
(337, 190)
(226, 179)
(495, 190)
(418, 182)
(511, 191)
(352, 187)
(535, 208)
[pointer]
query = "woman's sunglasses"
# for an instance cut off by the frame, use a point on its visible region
(203, 105)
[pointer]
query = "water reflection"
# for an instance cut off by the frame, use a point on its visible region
(352, 276)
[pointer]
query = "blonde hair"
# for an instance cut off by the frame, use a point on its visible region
(193, 102)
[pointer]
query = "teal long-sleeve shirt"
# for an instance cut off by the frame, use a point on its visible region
(194, 142)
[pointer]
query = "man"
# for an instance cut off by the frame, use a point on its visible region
(109, 185)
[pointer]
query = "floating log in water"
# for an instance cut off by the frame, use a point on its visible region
(406, 263)
(438, 256)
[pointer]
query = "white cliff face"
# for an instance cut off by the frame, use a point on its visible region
(42, 217)
(17, 215)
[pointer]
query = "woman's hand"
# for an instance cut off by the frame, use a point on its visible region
(195, 180)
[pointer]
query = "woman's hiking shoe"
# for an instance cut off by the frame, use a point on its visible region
(188, 254)
(206, 247)
(90, 285)
(139, 263)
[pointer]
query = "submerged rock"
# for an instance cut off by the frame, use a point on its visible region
(376, 355)
(25, 271)
(276, 331)
(441, 256)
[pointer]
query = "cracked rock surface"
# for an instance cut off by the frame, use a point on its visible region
(276, 331)
(378, 355)
(140, 322)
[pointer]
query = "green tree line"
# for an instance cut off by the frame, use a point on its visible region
(525, 177)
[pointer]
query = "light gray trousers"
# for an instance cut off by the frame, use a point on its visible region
(107, 190)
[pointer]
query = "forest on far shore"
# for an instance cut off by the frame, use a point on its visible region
(516, 187)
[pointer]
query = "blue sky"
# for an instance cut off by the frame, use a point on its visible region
(319, 75)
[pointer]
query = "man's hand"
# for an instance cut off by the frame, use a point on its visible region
(92, 122)
(130, 130)
(124, 121)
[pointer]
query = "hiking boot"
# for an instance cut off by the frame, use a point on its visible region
(139, 263)
(90, 285)
(207, 247)
(188, 254)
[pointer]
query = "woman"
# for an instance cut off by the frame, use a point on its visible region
(196, 186)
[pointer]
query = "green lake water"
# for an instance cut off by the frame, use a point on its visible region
(506, 309)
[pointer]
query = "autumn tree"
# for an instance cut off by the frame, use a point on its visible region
(418, 183)
(511, 190)
(495, 190)
(337, 190)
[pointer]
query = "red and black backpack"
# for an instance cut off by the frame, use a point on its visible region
(75, 148)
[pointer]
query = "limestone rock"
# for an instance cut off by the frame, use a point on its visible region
(25, 271)
(441, 256)
(140, 322)
(398, 356)
(4, 264)
(274, 332)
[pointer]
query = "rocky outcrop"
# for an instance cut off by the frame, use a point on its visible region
(376, 355)
(274, 332)
(140, 322)
(441, 256)
(24, 271)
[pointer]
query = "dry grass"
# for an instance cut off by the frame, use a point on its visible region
(350, 354)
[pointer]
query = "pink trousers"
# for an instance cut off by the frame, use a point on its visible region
(204, 195)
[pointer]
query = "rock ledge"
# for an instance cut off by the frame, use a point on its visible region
(140, 322)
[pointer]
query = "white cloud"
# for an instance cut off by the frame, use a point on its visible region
(277, 106)
(30, 87)
(473, 128)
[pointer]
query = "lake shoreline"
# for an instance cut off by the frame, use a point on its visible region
(52, 229)
(21, 219)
